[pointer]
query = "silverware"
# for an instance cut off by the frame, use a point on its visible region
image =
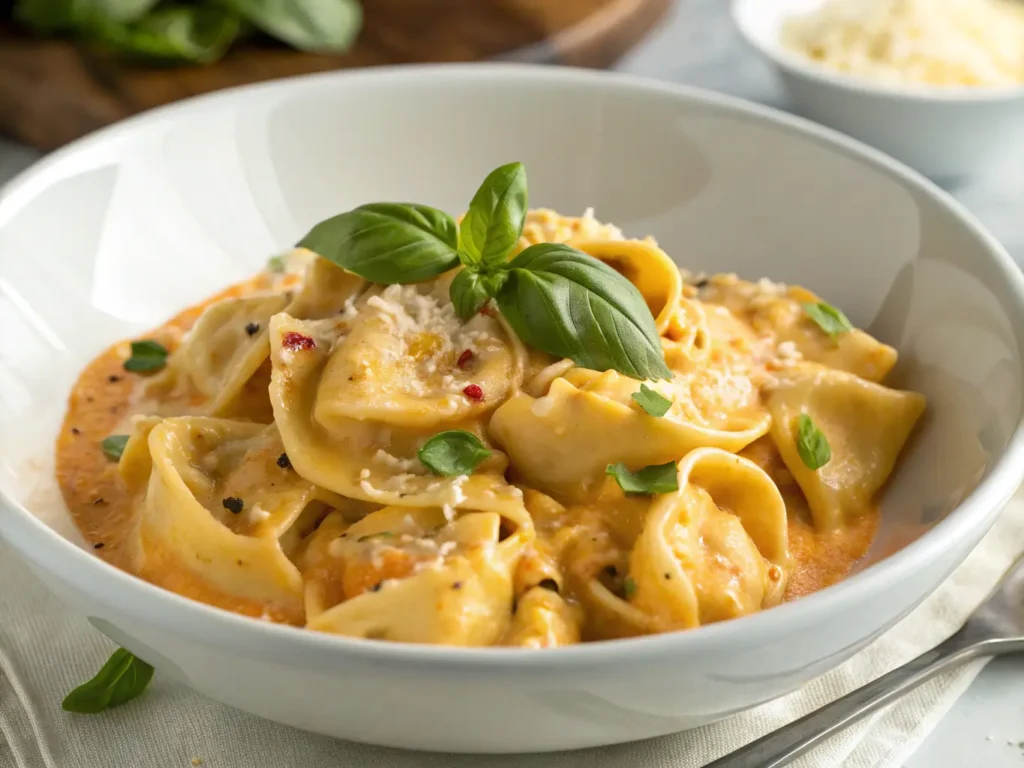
(996, 627)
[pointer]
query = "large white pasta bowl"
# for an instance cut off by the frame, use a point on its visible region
(119, 231)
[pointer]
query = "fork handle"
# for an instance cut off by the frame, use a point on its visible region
(789, 742)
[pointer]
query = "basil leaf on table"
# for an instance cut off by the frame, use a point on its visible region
(653, 403)
(569, 304)
(811, 444)
(451, 453)
(196, 34)
(494, 221)
(121, 679)
(388, 242)
(471, 289)
(657, 478)
(318, 26)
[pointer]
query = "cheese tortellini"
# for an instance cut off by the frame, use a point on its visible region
(279, 465)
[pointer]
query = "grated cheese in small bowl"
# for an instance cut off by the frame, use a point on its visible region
(945, 43)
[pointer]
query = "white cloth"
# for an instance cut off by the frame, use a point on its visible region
(45, 651)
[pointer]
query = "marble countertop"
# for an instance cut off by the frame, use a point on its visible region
(698, 45)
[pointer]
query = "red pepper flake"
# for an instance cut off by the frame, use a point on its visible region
(465, 358)
(473, 392)
(292, 340)
(486, 310)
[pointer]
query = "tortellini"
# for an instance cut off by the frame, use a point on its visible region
(277, 467)
(866, 426)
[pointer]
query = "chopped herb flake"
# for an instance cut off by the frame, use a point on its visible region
(113, 446)
(811, 444)
(629, 587)
(276, 264)
(653, 403)
(147, 356)
(831, 320)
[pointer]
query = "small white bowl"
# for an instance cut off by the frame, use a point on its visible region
(946, 133)
(114, 233)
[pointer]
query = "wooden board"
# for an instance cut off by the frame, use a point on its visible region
(52, 91)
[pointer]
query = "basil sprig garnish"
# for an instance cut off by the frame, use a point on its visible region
(121, 679)
(831, 320)
(454, 452)
(653, 403)
(657, 478)
(556, 298)
(811, 444)
(494, 221)
(388, 242)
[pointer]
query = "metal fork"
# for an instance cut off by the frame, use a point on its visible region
(996, 627)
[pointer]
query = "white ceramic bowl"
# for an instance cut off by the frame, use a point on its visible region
(946, 133)
(114, 233)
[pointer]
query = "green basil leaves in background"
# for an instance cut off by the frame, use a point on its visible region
(811, 444)
(831, 320)
(113, 446)
(494, 221)
(186, 33)
(388, 242)
(200, 32)
(147, 356)
(557, 299)
(318, 26)
(452, 453)
(657, 478)
(653, 403)
(121, 679)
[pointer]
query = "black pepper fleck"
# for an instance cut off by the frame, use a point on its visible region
(76, 431)
(284, 462)
(98, 545)
(457, 585)
(668, 576)
(611, 570)
(376, 587)
(114, 378)
(98, 501)
(233, 504)
(701, 283)
(252, 329)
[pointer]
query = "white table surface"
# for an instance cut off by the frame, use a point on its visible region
(697, 45)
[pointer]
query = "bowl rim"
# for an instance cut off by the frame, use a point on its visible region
(69, 562)
(792, 63)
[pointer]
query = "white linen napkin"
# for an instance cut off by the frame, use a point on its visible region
(45, 651)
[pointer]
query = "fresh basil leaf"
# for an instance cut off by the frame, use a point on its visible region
(811, 444)
(629, 587)
(652, 402)
(113, 446)
(50, 16)
(451, 453)
(147, 355)
(494, 221)
(831, 320)
(471, 289)
(319, 26)
(569, 304)
(199, 34)
(121, 679)
(657, 478)
(388, 242)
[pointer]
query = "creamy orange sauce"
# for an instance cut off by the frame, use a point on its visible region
(101, 506)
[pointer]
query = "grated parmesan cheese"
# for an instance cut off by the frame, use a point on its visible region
(257, 514)
(976, 43)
